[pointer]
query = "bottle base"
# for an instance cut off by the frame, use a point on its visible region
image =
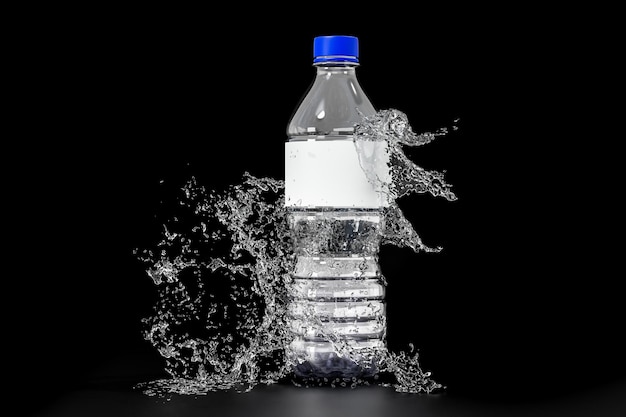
(333, 366)
(320, 360)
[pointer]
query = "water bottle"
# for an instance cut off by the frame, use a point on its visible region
(336, 310)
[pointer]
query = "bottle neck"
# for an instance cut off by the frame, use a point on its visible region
(336, 68)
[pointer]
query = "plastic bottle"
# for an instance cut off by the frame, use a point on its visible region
(337, 308)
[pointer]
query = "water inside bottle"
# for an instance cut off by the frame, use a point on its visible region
(337, 293)
(224, 272)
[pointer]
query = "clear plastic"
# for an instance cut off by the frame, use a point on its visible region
(337, 307)
(332, 106)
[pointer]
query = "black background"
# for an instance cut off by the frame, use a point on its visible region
(521, 307)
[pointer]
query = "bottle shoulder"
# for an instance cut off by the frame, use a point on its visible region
(333, 105)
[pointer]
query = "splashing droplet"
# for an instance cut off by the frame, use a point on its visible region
(223, 274)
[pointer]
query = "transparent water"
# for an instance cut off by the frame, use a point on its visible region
(230, 311)
(336, 309)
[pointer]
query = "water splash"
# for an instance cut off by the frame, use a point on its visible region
(223, 274)
(393, 127)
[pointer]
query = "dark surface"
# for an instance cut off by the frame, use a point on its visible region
(521, 314)
(110, 393)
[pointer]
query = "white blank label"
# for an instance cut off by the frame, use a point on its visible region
(329, 173)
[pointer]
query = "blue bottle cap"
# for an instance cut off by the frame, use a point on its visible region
(335, 48)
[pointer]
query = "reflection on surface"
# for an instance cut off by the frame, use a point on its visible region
(288, 400)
